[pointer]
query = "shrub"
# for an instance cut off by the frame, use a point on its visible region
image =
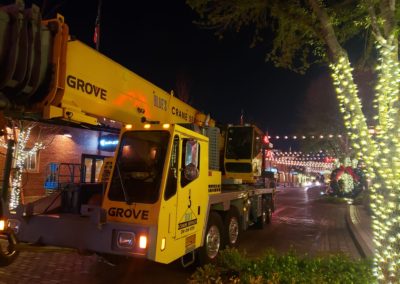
(274, 268)
(334, 199)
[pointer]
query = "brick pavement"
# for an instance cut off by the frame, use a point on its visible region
(48, 265)
(333, 234)
(359, 223)
(326, 232)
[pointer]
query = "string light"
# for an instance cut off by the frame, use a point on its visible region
(379, 149)
(20, 155)
(313, 161)
(295, 137)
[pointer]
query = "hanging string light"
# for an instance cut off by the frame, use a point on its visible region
(305, 137)
(314, 162)
(20, 156)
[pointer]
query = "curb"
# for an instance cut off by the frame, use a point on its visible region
(359, 237)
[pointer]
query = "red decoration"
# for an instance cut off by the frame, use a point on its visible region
(347, 170)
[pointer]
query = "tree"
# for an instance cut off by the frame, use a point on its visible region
(25, 146)
(318, 31)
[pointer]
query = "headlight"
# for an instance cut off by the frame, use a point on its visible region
(143, 242)
(125, 240)
(2, 225)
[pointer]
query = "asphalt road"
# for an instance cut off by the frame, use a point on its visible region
(302, 222)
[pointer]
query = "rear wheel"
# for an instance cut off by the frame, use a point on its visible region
(269, 215)
(8, 248)
(262, 219)
(213, 241)
(232, 227)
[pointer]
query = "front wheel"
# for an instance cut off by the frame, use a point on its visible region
(213, 241)
(8, 248)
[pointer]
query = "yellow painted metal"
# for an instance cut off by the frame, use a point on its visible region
(179, 220)
(214, 182)
(255, 161)
(57, 64)
(100, 87)
(143, 214)
(182, 218)
(244, 177)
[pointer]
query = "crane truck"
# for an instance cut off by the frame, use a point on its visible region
(178, 186)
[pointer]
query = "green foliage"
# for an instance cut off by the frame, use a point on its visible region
(206, 274)
(297, 37)
(333, 199)
(234, 267)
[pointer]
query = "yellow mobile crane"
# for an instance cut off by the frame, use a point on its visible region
(168, 195)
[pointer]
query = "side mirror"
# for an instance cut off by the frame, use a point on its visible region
(190, 172)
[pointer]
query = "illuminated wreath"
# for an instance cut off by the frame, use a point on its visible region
(357, 175)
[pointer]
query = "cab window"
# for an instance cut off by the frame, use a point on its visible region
(190, 161)
(172, 179)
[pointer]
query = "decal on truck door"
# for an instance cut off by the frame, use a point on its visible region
(187, 222)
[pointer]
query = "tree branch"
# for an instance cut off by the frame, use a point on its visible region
(387, 8)
(374, 22)
(328, 34)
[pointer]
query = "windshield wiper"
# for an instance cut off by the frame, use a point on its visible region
(126, 197)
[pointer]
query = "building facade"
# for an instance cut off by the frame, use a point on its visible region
(67, 154)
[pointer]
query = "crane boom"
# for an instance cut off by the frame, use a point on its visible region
(47, 73)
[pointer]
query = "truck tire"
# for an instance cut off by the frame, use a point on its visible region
(8, 248)
(262, 220)
(213, 241)
(232, 227)
(269, 215)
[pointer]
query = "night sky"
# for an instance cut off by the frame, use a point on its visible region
(159, 41)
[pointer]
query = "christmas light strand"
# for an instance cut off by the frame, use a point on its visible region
(308, 164)
(386, 221)
(20, 155)
(380, 152)
(304, 137)
(304, 156)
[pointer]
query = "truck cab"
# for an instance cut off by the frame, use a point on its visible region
(159, 183)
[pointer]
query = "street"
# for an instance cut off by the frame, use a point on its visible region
(303, 221)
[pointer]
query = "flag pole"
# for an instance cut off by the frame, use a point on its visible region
(96, 37)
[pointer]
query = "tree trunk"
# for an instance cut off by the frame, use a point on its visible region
(335, 50)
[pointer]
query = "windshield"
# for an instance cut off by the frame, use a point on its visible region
(239, 143)
(138, 170)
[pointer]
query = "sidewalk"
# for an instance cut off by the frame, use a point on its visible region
(359, 223)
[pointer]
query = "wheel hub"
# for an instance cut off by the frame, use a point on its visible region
(213, 242)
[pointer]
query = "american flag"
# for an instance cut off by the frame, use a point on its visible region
(96, 32)
(96, 36)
